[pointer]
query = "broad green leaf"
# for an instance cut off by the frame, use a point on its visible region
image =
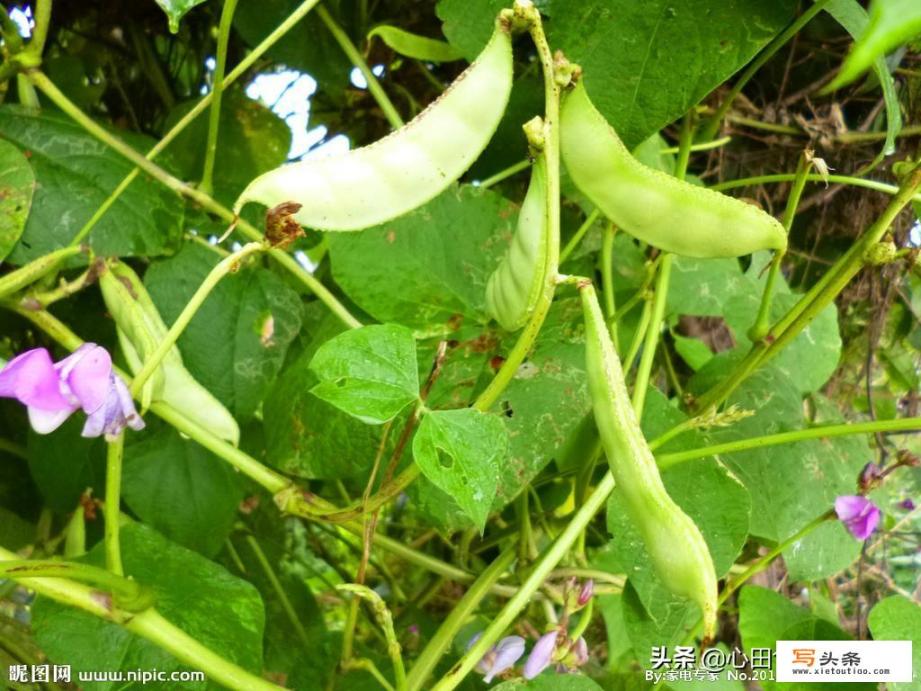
(701, 287)
(181, 489)
(892, 22)
(64, 464)
(308, 47)
(469, 24)
(176, 10)
(414, 46)
(645, 631)
(429, 266)
(17, 183)
(221, 611)
(75, 173)
(251, 141)
(766, 617)
(369, 373)
(897, 618)
(694, 352)
(460, 451)
(552, 681)
(237, 341)
(790, 485)
(646, 63)
(853, 17)
(306, 436)
(15, 532)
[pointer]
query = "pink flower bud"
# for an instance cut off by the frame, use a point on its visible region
(586, 593)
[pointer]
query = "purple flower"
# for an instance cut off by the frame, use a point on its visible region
(858, 514)
(907, 504)
(502, 656)
(541, 655)
(52, 392)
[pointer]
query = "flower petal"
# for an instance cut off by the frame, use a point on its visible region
(31, 379)
(507, 652)
(86, 373)
(540, 655)
(117, 412)
(859, 515)
(46, 421)
(848, 507)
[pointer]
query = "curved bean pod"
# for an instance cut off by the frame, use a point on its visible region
(514, 287)
(657, 208)
(675, 545)
(405, 169)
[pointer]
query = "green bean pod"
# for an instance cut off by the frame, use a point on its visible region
(515, 286)
(675, 545)
(140, 329)
(654, 207)
(405, 169)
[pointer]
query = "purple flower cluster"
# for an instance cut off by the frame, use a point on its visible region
(53, 391)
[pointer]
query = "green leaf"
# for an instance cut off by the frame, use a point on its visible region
(306, 436)
(176, 10)
(766, 617)
(236, 343)
(853, 17)
(897, 618)
(251, 141)
(221, 611)
(468, 25)
(459, 451)
(790, 485)
(369, 373)
(891, 23)
(308, 47)
(64, 464)
(701, 287)
(646, 63)
(414, 46)
(182, 490)
(17, 183)
(429, 266)
(694, 352)
(75, 173)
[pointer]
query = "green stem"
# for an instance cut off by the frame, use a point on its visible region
(657, 317)
(280, 593)
(579, 234)
(33, 51)
(10, 31)
(198, 196)
(762, 322)
(197, 110)
(812, 177)
(227, 265)
(765, 561)
(385, 619)
(816, 299)
(114, 456)
(551, 153)
(710, 129)
(17, 568)
(214, 117)
(351, 52)
(703, 146)
(466, 606)
(641, 329)
(535, 579)
(506, 173)
(911, 424)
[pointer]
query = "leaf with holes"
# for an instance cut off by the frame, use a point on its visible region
(17, 182)
(460, 452)
(369, 373)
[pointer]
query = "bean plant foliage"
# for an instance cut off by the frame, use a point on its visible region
(285, 457)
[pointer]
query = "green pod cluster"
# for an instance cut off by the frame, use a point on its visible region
(140, 329)
(675, 545)
(514, 288)
(657, 208)
(405, 169)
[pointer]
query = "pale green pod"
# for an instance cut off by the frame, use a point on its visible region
(414, 46)
(405, 169)
(515, 286)
(677, 549)
(657, 208)
(140, 329)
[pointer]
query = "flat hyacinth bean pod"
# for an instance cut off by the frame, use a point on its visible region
(657, 208)
(405, 169)
(514, 287)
